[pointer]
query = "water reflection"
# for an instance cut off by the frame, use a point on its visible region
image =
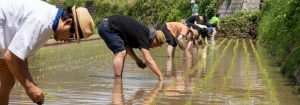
(60, 72)
(118, 95)
(117, 92)
(170, 69)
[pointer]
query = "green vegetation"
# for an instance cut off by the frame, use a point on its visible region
(265, 74)
(241, 25)
(278, 31)
(149, 12)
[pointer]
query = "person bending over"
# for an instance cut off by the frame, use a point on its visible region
(122, 33)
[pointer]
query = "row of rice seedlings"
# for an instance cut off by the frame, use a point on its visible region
(45, 61)
(230, 69)
(248, 80)
(200, 83)
(270, 86)
(186, 74)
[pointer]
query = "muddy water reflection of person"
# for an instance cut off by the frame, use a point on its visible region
(122, 33)
(171, 71)
(118, 97)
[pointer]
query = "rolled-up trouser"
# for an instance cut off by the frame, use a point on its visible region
(111, 38)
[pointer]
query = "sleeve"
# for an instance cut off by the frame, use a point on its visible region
(31, 35)
(144, 43)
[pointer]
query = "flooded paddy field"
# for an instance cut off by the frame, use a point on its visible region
(233, 72)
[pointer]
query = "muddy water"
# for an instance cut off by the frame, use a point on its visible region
(231, 72)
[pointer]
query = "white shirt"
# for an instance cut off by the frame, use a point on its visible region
(25, 25)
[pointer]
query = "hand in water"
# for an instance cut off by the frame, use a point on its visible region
(141, 64)
(160, 78)
(36, 95)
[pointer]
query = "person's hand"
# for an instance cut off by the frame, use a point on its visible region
(141, 64)
(160, 78)
(35, 94)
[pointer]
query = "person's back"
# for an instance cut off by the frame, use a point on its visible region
(177, 29)
(131, 31)
(214, 21)
(25, 25)
(22, 18)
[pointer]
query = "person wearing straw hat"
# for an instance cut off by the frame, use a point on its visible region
(174, 32)
(122, 33)
(25, 25)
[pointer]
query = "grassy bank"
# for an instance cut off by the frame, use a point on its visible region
(240, 25)
(279, 33)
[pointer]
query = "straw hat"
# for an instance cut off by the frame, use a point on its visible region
(84, 24)
(160, 36)
(195, 33)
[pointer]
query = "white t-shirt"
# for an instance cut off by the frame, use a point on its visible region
(25, 25)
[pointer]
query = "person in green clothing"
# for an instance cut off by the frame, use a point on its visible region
(195, 8)
(215, 23)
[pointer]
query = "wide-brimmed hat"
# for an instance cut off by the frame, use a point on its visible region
(84, 24)
(194, 32)
(160, 36)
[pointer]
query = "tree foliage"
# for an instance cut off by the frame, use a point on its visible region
(279, 32)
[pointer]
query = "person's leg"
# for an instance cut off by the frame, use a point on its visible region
(7, 82)
(119, 63)
(212, 39)
(170, 40)
(116, 45)
(171, 51)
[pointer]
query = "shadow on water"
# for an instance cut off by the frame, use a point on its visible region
(233, 71)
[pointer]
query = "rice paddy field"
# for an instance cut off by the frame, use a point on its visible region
(232, 72)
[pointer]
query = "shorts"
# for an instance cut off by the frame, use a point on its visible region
(170, 39)
(111, 38)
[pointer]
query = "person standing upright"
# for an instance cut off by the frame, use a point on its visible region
(195, 8)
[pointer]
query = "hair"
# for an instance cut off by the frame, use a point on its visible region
(218, 14)
(67, 13)
(199, 21)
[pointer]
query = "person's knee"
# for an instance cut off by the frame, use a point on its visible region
(118, 76)
(121, 53)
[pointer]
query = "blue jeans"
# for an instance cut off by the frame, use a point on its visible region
(111, 38)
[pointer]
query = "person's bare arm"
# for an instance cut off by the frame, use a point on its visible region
(180, 42)
(19, 69)
(138, 61)
(151, 63)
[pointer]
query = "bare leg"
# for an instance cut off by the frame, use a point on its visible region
(119, 63)
(171, 51)
(190, 43)
(212, 39)
(7, 82)
(197, 44)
